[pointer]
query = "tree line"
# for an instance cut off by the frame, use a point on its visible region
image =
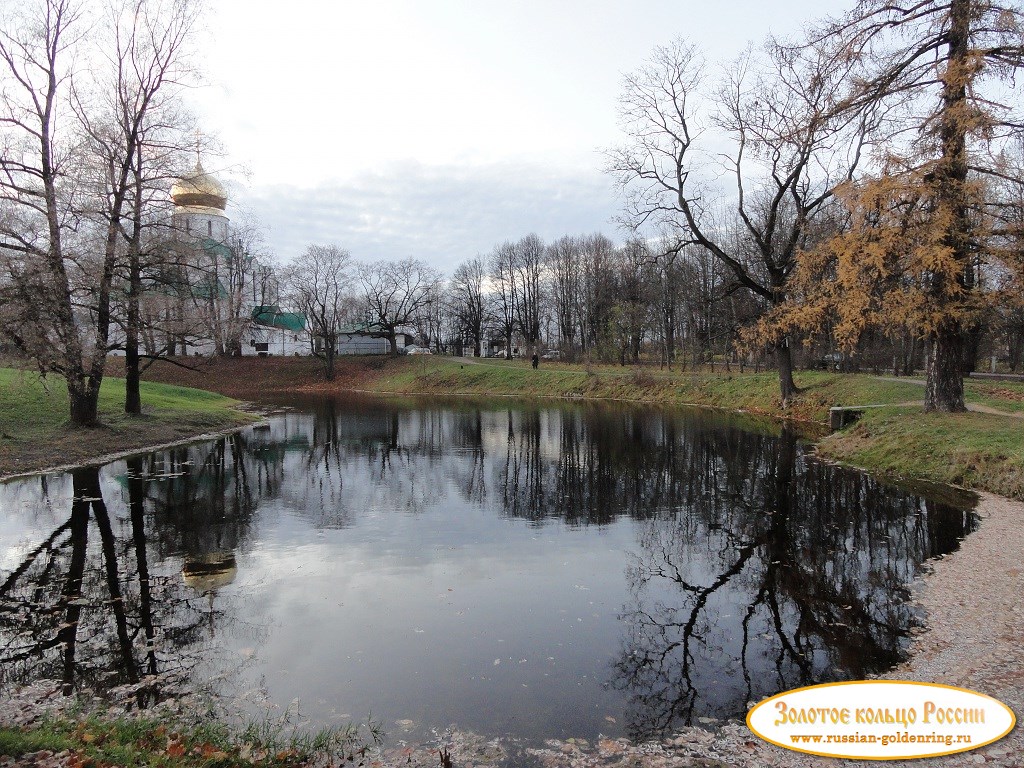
(864, 181)
(853, 197)
(582, 296)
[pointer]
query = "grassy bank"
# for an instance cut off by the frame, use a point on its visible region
(137, 741)
(34, 416)
(754, 392)
(255, 378)
(975, 450)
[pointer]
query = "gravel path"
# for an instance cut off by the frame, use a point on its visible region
(974, 600)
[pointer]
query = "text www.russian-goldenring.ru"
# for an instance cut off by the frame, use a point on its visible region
(884, 740)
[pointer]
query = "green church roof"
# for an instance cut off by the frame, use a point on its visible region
(273, 317)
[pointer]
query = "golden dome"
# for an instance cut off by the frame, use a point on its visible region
(199, 189)
(208, 573)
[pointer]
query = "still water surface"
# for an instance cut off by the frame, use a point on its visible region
(533, 571)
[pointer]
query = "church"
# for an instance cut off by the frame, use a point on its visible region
(209, 297)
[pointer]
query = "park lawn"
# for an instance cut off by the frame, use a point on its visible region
(973, 450)
(34, 431)
(256, 378)
(754, 392)
(1003, 395)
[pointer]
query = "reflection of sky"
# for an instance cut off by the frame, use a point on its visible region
(408, 614)
(448, 565)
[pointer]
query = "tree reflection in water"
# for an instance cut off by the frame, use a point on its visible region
(754, 569)
(788, 575)
(87, 608)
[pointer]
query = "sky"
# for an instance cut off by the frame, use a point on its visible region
(438, 128)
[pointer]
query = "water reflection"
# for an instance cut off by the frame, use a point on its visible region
(790, 575)
(650, 566)
(83, 607)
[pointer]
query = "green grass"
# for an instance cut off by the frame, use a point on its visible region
(1004, 395)
(127, 742)
(755, 392)
(34, 430)
(973, 450)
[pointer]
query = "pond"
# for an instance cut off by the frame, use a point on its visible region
(524, 570)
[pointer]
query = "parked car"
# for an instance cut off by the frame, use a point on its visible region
(551, 354)
(412, 349)
(832, 361)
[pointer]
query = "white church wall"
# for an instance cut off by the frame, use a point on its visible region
(265, 341)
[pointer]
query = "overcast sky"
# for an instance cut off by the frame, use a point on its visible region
(438, 128)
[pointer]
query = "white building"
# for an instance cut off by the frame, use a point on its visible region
(201, 300)
(274, 332)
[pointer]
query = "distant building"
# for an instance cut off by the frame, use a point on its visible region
(274, 332)
(196, 299)
(202, 298)
(361, 340)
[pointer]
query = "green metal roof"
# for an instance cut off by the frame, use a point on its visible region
(273, 317)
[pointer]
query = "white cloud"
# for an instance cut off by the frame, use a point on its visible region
(501, 104)
(443, 214)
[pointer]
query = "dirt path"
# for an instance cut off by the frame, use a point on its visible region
(973, 407)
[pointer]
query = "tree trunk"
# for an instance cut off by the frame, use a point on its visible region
(944, 385)
(329, 364)
(784, 362)
(83, 398)
(330, 352)
(132, 395)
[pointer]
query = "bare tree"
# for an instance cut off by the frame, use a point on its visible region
(319, 285)
(527, 265)
(599, 294)
(504, 296)
(70, 196)
(467, 301)
(791, 144)
(38, 217)
(564, 267)
(633, 299)
(396, 293)
(135, 130)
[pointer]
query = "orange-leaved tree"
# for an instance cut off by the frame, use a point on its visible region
(926, 224)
